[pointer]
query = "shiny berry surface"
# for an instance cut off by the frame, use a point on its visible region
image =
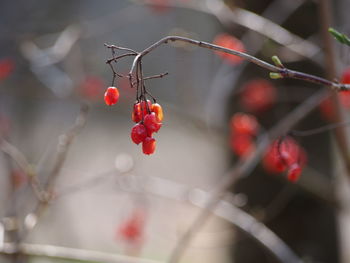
(138, 133)
(111, 96)
(149, 145)
(157, 109)
(151, 123)
(136, 114)
(228, 41)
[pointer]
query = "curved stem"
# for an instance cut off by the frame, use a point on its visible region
(284, 72)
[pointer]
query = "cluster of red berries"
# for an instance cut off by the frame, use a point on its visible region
(283, 155)
(148, 118)
(228, 41)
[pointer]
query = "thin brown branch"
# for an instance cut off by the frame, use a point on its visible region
(284, 72)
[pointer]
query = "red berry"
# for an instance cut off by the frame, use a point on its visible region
(228, 41)
(111, 96)
(258, 95)
(344, 96)
(242, 144)
(157, 109)
(6, 67)
(151, 123)
(91, 88)
(282, 154)
(327, 110)
(242, 123)
(132, 229)
(346, 76)
(149, 145)
(136, 114)
(294, 172)
(138, 133)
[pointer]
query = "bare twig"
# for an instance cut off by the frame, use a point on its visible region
(284, 72)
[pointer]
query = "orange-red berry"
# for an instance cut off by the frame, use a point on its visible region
(111, 96)
(138, 133)
(157, 109)
(136, 114)
(149, 145)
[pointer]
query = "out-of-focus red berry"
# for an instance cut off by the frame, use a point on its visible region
(91, 88)
(149, 145)
(345, 78)
(6, 67)
(133, 228)
(160, 6)
(294, 172)
(111, 96)
(138, 133)
(344, 96)
(228, 41)
(151, 123)
(327, 110)
(19, 178)
(242, 123)
(242, 144)
(157, 109)
(258, 95)
(282, 154)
